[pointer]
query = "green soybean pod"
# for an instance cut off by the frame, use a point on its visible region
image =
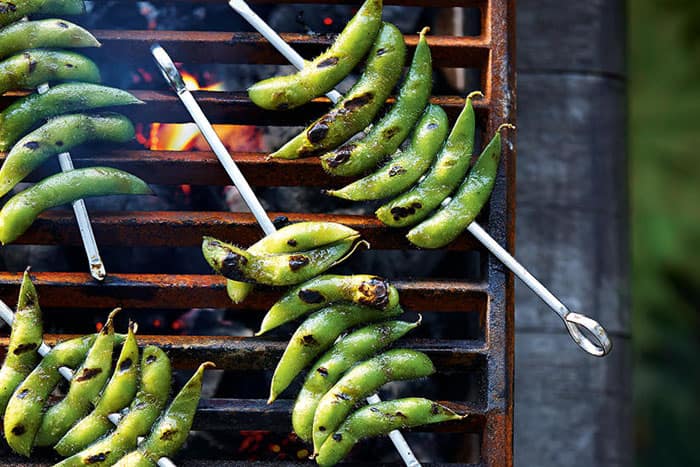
(452, 219)
(87, 383)
(325, 71)
(26, 406)
(31, 68)
(22, 209)
(380, 419)
(25, 339)
(143, 411)
(283, 269)
(359, 106)
(388, 133)
(60, 134)
(406, 167)
(17, 119)
(316, 334)
(118, 393)
(328, 369)
(363, 289)
(447, 172)
(14, 10)
(363, 380)
(53, 32)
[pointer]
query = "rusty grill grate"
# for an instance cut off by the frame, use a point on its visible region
(487, 356)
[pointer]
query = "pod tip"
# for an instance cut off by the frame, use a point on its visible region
(510, 126)
(424, 31)
(206, 365)
(473, 94)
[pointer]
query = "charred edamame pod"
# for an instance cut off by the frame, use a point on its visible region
(325, 71)
(54, 32)
(283, 269)
(58, 135)
(328, 369)
(14, 10)
(316, 334)
(363, 289)
(380, 419)
(452, 219)
(87, 382)
(17, 119)
(362, 381)
(358, 108)
(143, 411)
(25, 339)
(388, 133)
(446, 173)
(25, 408)
(31, 68)
(406, 167)
(118, 393)
(22, 209)
(292, 238)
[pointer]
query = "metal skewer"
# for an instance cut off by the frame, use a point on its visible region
(173, 77)
(573, 321)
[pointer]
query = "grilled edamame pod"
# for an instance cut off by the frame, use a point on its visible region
(380, 419)
(328, 369)
(292, 238)
(85, 386)
(283, 269)
(171, 430)
(386, 135)
(452, 219)
(448, 171)
(143, 411)
(25, 339)
(325, 71)
(26, 406)
(358, 108)
(118, 393)
(363, 289)
(406, 167)
(316, 334)
(31, 68)
(14, 10)
(363, 380)
(58, 135)
(17, 119)
(25, 35)
(22, 209)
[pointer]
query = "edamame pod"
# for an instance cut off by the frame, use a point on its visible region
(118, 393)
(363, 380)
(86, 384)
(25, 35)
(22, 209)
(452, 219)
(17, 119)
(292, 238)
(25, 339)
(406, 167)
(58, 135)
(143, 411)
(386, 135)
(25, 408)
(14, 10)
(325, 71)
(358, 108)
(316, 334)
(448, 171)
(31, 68)
(363, 289)
(283, 269)
(380, 419)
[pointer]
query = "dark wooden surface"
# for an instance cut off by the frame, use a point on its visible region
(571, 409)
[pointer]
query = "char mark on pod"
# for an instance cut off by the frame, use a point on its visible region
(359, 101)
(375, 292)
(292, 242)
(330, 61)
(31, 145)
(337, 436)
(22, 348)
(19, 430)
(7, 7)
(311, 296)
(323, 371)
(341, 155)
(88, 373)
(342, 396)
(62, 24)
(32, 62)
(396, 170)
(317, 132)
(23, 393)
(150, 359)
(169, 434)
(232, 264)
(125, 365)
(399, 212)
(297, 262)
(391, 132)
(97, 458)
(308, 340)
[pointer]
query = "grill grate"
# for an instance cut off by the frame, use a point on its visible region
(486, 359)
